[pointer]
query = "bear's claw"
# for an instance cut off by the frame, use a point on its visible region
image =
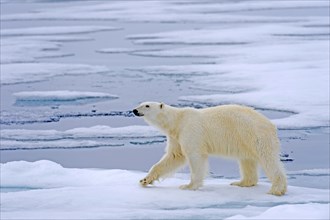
(145, 182)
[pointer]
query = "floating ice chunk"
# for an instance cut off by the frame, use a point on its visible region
(30, 49)
(55, 144)
(55, 38)
(133, 131)
(59, 96)
(229, 35)
(181, 70)
(311, 172)
(202, 52)
(97, 136)
(32, 72)
(27, 50)
(116, 194)
(99, 131)
(260, 77)
(309, 102)
(115, 50)
(55, 30)
(28, 116)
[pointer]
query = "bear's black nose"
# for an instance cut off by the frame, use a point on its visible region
(135, 112)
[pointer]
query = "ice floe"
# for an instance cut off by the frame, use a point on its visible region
(97, 136)
(31, 116)
(32, 48)
(27, 50)
(33, 72)
(228, 35)
(115, 50)
(266, 89)
(257, 74)
(59, 97)
(311, 172)
(116, 194)
(55, 30)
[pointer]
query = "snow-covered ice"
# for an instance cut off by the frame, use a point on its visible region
(230, 35)
(115, 50)
(46, 190)
(60, 95)
(33, 72)
(273, 63)
(55, 30)
(29, 49)
(97, 136)
(299, 211)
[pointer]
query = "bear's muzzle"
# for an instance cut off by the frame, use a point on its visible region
(136, 113)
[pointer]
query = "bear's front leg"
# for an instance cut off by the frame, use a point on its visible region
(168, 164)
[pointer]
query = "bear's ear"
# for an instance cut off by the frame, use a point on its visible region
(161, 105)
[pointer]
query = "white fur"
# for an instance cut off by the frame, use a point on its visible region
(229, 130)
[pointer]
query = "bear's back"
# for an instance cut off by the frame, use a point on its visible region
(236, 118)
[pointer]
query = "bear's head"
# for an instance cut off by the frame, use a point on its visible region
(148, 109)
(152, 112)
(159, 115)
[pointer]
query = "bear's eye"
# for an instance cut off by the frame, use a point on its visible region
(147, 106)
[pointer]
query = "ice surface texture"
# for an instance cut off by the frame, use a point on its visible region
(55, 30)
(283, 67)
(97, 136)
(34, 72)
(36, 98)
(63, 193)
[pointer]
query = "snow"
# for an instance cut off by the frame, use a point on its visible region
(299, 211)
(55, 30)
(32, 72)
(96, 136)
(60, 95)
(47, 190)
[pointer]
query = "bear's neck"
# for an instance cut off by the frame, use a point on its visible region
(169, 122)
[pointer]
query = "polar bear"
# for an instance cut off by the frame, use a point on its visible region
(229, 130)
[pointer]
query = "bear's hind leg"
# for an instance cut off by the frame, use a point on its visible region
(249, 173)
(275, 172)
(198, 168)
